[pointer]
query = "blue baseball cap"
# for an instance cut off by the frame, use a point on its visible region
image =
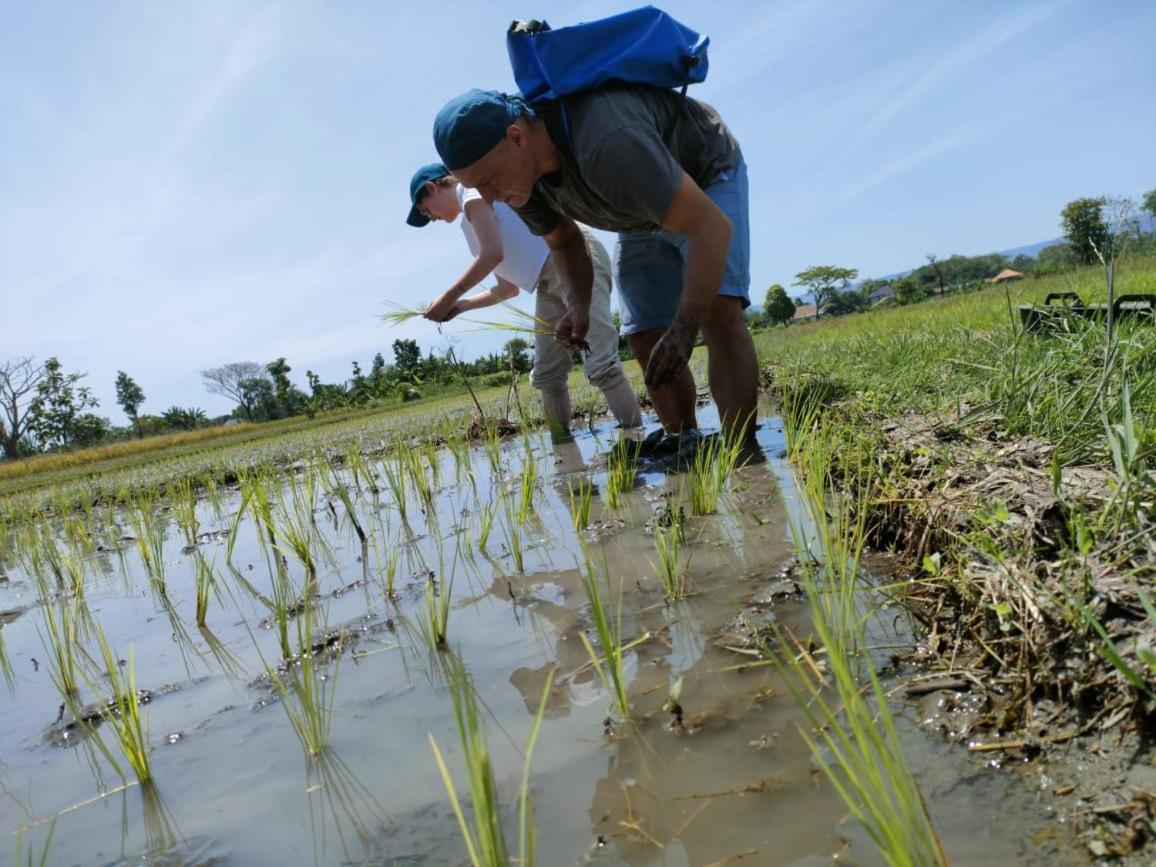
(432, 172)
(470, 125)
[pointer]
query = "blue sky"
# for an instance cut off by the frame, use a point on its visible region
(183, 185)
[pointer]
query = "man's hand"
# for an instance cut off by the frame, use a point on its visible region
(443, 309)
(671, 354)
(571, 329)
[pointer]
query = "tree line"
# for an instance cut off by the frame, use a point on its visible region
(1094, 227)
(43, 408)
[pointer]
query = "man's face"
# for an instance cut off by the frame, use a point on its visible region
(506, 173)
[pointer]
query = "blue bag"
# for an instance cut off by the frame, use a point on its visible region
(643, 46)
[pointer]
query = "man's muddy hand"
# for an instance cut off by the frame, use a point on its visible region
(671, 354)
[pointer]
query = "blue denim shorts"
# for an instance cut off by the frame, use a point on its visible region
(650, 268)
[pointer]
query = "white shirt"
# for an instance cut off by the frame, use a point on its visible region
(523, 252)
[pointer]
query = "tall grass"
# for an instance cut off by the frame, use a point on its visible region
(847, 705)
(485, 837)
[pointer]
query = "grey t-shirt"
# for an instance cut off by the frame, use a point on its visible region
(629, 145)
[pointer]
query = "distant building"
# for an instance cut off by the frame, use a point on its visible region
(805, 311)
(1005, 275)
(883, 293)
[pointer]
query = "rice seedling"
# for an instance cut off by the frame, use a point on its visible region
(608, 627)
(149, 534)
(308, 693)
(529, 481)
(395, 478)
(62, 642)
(669, 535)
(512, 530)
(492, 444)
(486, 513)
(339, 489)
(713, 463)
(485, 838)
(621, 472)
(416, 471)
(183, 498)
(581, 496)
(122, 715)
(434, 619)
(856, 730)
(206, 586)
(6, 666)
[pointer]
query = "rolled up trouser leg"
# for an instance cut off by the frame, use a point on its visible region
(552, 360)
(603, 368)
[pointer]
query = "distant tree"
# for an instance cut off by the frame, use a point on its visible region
(908, 290)
(130, 396)
(1085, 228)
(824, 282)
(1148, 203)
(57, 405)
(181, 418)
(227, 381)
(19, 378)
(377, 370)
(778, 306)
(517, 352)
(938, 270)
(1021, 263)
(406, 356)
(1055, 259)
(289, 398)
(842, 303)
(88, 430)
(257, 394)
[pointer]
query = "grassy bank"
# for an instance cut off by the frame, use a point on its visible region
(1013, 474)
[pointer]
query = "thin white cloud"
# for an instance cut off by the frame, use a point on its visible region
(254, 42)
(901, 165)
(993, 37)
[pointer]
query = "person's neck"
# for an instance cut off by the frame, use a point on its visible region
(546, 159)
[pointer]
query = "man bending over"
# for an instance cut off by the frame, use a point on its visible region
(665, 173)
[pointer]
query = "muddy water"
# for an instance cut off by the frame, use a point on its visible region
(735, 782)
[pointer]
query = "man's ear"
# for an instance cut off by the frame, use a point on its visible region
(516, 134)
(430, 188)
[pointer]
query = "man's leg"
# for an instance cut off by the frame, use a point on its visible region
(551, 360)
(650, 273)
(602, 366)
(674, 403)
(733, 367)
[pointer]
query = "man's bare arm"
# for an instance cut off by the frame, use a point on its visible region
(576, 270)
(708, 233)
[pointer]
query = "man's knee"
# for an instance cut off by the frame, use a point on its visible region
(550, 381)
(604, 372)
(725, 318)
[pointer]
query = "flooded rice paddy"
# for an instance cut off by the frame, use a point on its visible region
(718, 776)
